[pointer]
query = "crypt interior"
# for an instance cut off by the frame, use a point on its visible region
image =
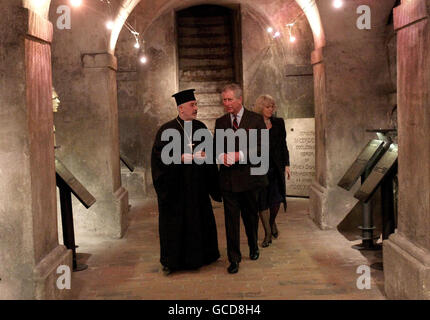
(333, 83)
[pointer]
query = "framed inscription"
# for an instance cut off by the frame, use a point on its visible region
(370, 152)
(388, 160)
(75, 186)
(301, 144)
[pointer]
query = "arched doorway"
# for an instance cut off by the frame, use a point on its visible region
(262, 63)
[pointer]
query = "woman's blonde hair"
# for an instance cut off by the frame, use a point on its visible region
(263, 101)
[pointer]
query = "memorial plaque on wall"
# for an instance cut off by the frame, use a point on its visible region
(380, 170)
(301, 144)
(372, 149)
(76, 187)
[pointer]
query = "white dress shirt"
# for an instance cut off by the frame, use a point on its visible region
(238, 117)
(231, 156)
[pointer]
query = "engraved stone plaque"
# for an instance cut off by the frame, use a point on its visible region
(77, 188)
(370, 152)
(301, 144)
(378, 173)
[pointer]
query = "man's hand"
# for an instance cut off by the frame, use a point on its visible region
(187, 158)
(230, 158)
(200, 155)
(288, 172)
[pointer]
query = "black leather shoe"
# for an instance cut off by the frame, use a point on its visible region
(167, 270)
(266, 243)
(233, 268)
(254, 255)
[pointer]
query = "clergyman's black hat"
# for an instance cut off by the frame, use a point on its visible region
(184, 96)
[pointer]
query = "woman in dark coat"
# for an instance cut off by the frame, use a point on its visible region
(274, 194)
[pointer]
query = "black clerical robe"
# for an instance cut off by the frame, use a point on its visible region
(187, 229)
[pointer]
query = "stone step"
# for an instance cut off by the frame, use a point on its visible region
(209, 87)
(205, 36)
(209, 99)
(199, 25)
(192, 31)
(203, 80)
(199, 75)
(185, 63)
(218, 50)
(198, 46)
(206, 56)
(215, 40)
(206, 67)
(202, 20)
(208, 112)
(210, 123)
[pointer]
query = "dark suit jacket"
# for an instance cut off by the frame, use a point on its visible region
(238, 178)
(279, 154)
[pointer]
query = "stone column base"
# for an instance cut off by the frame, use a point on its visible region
(121, 201)
(406, 269)
(45, 274)
(329, 206)
(318, 204)
(107, 217)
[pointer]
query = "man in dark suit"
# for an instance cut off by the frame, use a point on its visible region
(238, 186)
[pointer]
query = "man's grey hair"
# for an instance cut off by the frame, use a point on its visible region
(237, 90)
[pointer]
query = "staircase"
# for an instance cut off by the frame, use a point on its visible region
(206, 58)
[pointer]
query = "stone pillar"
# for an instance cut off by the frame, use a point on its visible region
(317, 192)
(89, 142)
(351, 95)
(29, 249)
(407, 252)
(329, 203)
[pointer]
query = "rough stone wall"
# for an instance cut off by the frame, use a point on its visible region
(144, 97)
(276, 66)
(86, 122)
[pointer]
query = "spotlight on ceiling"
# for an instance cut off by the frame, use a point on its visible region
(76, 3)
(337, 4)
(109, 25)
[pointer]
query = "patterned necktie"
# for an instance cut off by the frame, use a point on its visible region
(235, 124)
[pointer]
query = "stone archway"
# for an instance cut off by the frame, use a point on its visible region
(259, 52)
(127, 6)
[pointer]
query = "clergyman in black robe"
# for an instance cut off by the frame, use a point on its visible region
(187, 228)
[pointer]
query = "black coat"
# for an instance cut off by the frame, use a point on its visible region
(279, 154)
(238, 178)
(187, 229)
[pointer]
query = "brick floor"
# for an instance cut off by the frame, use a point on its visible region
(303, 263)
